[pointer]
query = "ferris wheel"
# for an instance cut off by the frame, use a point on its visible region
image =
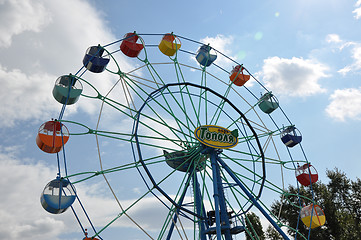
(191, 137)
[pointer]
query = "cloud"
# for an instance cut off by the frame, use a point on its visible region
(333, 38)
(45, 40)
(23, 216)
(295, 77)
(17, 17)
(356, 56)
(355, 50)
(345, 104)
(337, 42)
(357, 10)
(24, 96)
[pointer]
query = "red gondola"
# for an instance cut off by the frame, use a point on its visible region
(129, 45)
(306, 174)
(89, 238)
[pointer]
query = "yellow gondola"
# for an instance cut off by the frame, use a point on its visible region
(313, 216)
(169, 44)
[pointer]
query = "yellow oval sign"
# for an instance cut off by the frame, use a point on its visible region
(216, 136)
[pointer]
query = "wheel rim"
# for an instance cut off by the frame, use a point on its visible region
(177, 103)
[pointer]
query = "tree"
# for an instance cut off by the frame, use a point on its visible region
(272, 234)
(254, 227)
(341, 201)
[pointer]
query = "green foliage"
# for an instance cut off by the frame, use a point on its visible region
(341, 201)
(272, 234)
(254, 226)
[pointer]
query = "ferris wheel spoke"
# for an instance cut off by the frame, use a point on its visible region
(180, 103)
(267, 184)
(221, 104)
(174, 214)
(186, 97)
(185, 112)
(168, 110)
(125, 213)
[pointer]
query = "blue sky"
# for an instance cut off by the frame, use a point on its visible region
(308, 53)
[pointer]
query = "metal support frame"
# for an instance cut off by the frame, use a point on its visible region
(250, 196)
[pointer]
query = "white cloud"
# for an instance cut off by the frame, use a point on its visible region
(19, 16)
(356, 56)
(25, 96)
(40, 48)
(338, 43)
(220, 42)
(22, 215)
(333, 38)
(345, 70)
(355, 50)
(293, 77)
(357, 11)
(345, 104)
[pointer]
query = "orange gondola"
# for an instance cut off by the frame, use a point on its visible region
(238, 77)
(51, 137)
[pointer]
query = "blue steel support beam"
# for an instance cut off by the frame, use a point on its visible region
(199, 207)
(219, 201)
(216, 195)
(250, 196)
(226, 227)
(176, 213)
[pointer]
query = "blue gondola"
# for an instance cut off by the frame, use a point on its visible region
(94, 60)
(57, 196)
(67, 89)
(204, 55)
(268, 103)
(290, 137)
